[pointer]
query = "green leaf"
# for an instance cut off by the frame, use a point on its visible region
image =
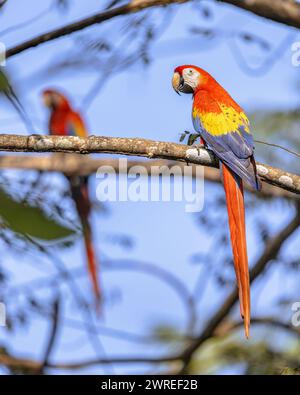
(25, 219)
(4, 82)
(183, 136)
(192, 138)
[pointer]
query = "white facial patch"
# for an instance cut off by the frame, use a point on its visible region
(191, 77)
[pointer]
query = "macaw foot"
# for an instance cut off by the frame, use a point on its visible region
(200, 145)
(198, 148)
(192, 137)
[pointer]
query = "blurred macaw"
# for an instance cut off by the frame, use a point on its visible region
(64, 121)
(224, 128)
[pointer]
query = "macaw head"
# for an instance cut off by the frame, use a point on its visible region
(188, 79)
(55, 100)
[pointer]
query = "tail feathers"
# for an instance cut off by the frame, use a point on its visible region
(236, 215)
(79, 191)
(245, 169)
(92, 266)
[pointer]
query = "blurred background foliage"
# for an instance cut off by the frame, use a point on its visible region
(39, 222)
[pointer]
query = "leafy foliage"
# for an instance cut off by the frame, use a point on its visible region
(30, 220)
(250, 359)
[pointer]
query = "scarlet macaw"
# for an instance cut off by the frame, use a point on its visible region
(64, 121)
(224, 128)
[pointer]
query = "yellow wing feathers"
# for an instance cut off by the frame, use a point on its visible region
(228, 120)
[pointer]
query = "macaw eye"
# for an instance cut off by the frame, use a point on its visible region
(190, 72)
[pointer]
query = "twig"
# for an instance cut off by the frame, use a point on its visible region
(96, 343)
(270, 321)
(25, 23)
(32, 365)
(129, 8)
(2, 2)
(278, 146)
(53, 334)
(283, 11)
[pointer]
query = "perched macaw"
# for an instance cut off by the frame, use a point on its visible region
(224, 128)
(64, 121)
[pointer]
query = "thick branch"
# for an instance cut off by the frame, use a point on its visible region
(32, 365)
(137, 147)
(86, 165)
(283, 11)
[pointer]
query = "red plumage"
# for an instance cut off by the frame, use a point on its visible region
(64, 121)
(224, 128)
(233, 187)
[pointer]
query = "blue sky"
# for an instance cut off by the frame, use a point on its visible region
(140, 103)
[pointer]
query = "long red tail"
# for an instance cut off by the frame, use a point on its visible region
(233, 186)
(81, 198)
(92, 262)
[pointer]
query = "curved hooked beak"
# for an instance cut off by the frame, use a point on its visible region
(179, 84)
(46, 100)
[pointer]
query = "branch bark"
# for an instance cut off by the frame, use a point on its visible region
(282, 11)
(138, 147)
(84, 165)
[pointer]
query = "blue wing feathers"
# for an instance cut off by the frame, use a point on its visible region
(235, 149)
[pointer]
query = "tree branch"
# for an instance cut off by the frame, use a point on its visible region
(53, 335)
(32, 365)
(86, 165)
(129, 8)
(282, 11)
(270, 321)
(138, 147)
(2, 3)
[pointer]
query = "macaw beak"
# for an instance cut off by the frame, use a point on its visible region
(180, 85)
(177, 82)
(46, 100)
